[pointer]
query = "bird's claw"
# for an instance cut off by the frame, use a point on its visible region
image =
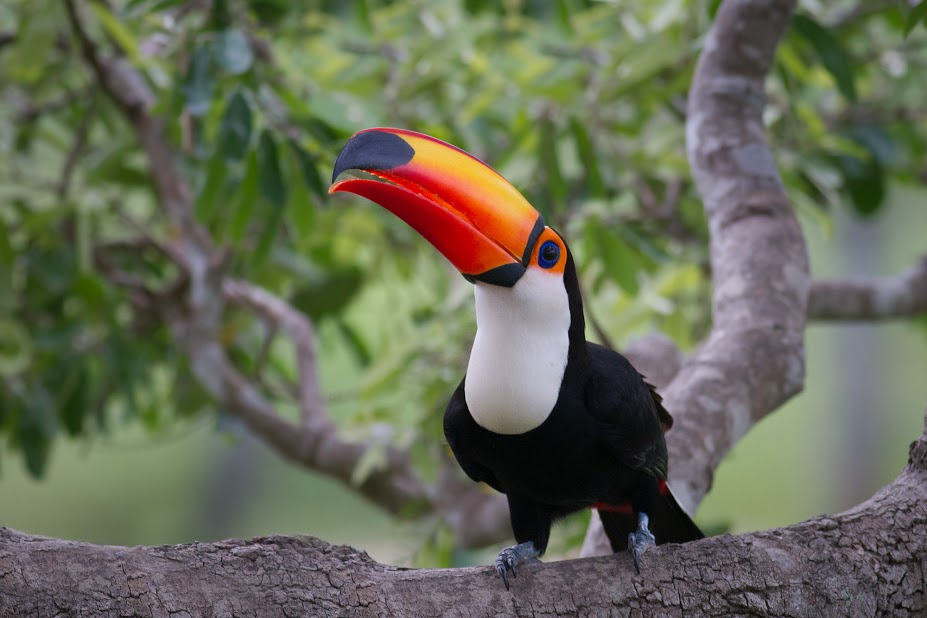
(505, 562)
(638, 543)
(510, 557)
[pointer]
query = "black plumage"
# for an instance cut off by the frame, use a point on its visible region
(602, 445)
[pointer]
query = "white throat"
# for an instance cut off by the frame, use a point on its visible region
(519, 354)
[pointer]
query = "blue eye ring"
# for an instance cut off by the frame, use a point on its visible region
(548, 254)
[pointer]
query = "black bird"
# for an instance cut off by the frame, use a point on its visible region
(556, 423)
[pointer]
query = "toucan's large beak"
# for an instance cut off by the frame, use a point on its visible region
(463, 207)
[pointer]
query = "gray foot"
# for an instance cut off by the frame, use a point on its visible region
(641, 540)
(515, 556)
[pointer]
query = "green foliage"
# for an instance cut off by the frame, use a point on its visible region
(917, 15)
(579, 103)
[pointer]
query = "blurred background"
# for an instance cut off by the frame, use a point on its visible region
(105, 436)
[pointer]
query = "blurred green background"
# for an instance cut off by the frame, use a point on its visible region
(844, 437)
(104, 435)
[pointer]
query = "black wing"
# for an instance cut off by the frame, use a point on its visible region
(629, 410)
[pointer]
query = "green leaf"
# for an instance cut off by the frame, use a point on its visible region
(73, 400)
(330, 293)
(916, 15)
(270, 177)
(268, 235)
(362, 13)
(876, 140)
(643, 61)
(235, 128)
(269, 12)
(208, 196)
(199, 82)
(28, 59)
(588, 157)
(245, 198)
(36, 430)
(7, 257)
(550, 163)
(310, 172)
(564, 12)
(123, 364)
(829, 52)
(233, 51)
(621, 262)
(300, 203)
(864, 179)
(358, 348)
(117, 29)
(649, 254)
(116, 165)
(220, 17)
(372, 460)
(15, 348)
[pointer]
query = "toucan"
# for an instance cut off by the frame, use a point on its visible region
(556, 423)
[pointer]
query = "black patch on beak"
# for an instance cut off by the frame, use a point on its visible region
(504, 276)
(532, 239)
(373, 150)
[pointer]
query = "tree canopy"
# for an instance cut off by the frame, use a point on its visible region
(580, 104)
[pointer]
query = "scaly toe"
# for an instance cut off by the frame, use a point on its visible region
(638, 543)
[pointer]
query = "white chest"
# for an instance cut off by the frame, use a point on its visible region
(519, 354)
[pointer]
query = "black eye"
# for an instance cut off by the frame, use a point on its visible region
(548, 255)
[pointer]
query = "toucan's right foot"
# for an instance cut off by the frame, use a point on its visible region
(515, 556)
(640, 540)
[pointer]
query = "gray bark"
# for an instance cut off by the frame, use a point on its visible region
(868, 561)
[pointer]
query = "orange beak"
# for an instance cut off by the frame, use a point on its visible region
(463, 207)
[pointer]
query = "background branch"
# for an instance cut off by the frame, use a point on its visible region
(879, 298)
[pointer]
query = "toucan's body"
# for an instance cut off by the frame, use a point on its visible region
(554, 422)
(601, 446)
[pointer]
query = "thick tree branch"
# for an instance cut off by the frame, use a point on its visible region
(868, 561)
(753, 359)
(903, 295)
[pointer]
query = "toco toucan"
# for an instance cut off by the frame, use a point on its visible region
(554, 422)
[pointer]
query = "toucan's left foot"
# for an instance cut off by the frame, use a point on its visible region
(641, 540)
(515, 556)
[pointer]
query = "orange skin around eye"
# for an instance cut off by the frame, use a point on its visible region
(549, 234)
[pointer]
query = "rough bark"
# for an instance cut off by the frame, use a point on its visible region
(868, 561)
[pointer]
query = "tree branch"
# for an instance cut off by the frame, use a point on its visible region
(194, 311)
(753, 359)
(869, 560)
(903, 295)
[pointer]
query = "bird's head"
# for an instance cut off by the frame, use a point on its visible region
(463, 207)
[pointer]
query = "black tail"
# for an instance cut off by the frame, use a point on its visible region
(669, 523)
